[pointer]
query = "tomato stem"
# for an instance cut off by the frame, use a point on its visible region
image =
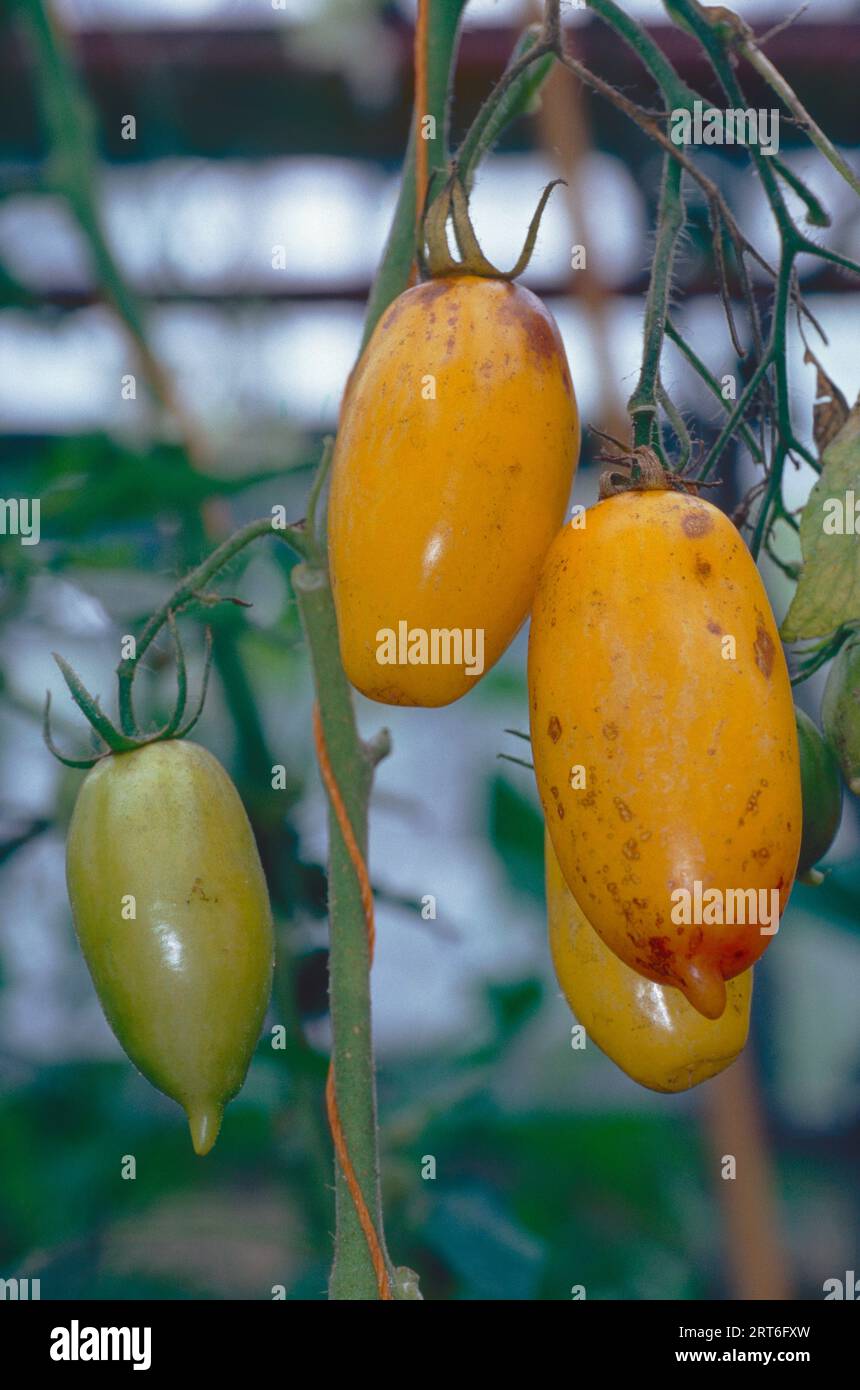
(352, 762)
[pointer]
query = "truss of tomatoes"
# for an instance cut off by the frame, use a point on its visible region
(667, 752)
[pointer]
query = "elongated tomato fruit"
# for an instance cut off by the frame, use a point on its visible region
(664, 739)
(648, 1030)
(455, 453)
(172, 914)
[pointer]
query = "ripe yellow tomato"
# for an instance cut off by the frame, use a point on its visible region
(648, 1030)
(172, 914)
(664, 739)
(457, 444)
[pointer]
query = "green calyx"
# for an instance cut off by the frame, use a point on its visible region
(452, 203)
(107, 737)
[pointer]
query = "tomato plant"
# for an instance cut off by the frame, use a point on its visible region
(662, 721)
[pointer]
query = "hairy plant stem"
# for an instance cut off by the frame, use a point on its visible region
(747, 46)
(395, 268)
(352, 763)
(644, 400)
(717, 37)
(192, 589)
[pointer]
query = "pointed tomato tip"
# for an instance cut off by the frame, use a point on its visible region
(204, 1121)
(705, 989)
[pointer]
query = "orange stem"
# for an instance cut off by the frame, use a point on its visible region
(371, 1235)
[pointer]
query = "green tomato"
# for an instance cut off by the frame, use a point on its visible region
(173, 918)
(821, 791)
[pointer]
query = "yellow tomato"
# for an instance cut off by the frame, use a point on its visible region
(172, 914)
(646, 1029)
(664, 739)
(456, 449)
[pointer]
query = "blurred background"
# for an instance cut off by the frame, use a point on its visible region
(243, 211)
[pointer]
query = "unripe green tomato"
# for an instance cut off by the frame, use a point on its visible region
(840, 710)
(821, 791)
(184, 982)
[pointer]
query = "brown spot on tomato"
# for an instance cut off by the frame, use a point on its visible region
(715, 628)
(703, 568)
(393, 695)
(540, 334)
(764, 650)
(696, 522)
(630, 849)
(610, 731)
(560, 810)
(432, 290)
(553, 728)
(661, 951)
(554, 792)
(622, 808)
(197, 891)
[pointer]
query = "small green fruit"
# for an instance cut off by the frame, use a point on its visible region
(821, 791)
(172, 914)
(840, 710)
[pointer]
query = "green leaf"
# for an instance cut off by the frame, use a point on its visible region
(828, 593)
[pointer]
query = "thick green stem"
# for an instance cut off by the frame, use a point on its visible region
(352, 763)
(643, 403)
(779, 350)
(400, 249)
